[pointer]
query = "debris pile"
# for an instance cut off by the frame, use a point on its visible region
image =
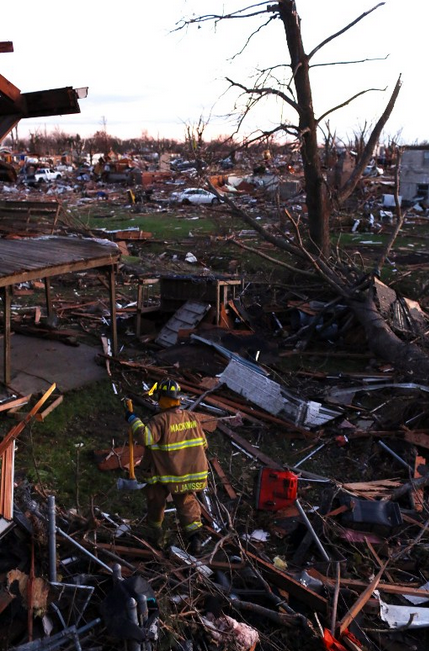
(315, 518)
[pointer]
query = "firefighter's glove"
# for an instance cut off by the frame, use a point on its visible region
(130, 417)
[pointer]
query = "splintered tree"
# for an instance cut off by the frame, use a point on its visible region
(296, 93)
(311, 247)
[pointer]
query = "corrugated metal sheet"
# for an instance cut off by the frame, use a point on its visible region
(230, 355)
(274, 398)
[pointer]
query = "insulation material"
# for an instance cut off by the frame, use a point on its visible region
(273, 397)
(225, 630)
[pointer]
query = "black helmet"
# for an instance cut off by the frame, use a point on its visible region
(168, 388)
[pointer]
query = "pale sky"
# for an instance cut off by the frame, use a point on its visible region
(143, 78)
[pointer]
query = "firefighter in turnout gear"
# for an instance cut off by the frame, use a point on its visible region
(174, 461)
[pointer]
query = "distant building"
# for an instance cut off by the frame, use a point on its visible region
(414, 173)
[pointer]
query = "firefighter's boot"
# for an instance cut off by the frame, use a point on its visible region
(195, 544)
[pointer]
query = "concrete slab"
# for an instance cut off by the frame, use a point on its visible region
(37, 363)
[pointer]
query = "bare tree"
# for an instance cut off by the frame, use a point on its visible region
(350, 284)
(297, 94)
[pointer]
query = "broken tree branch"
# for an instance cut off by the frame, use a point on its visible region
(263, 92)
(345, 29)
(280, 263)
(360, 602)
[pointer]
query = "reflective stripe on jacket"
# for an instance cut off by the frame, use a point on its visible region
(175, 450)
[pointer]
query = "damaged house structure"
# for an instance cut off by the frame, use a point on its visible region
(414, 175)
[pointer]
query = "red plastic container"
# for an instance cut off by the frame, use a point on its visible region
(276, 489)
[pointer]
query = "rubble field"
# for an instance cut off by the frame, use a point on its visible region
(315, 520)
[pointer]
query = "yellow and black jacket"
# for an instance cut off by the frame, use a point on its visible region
(175, 442)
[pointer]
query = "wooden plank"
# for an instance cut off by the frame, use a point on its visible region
(48, 410)
(17, 429)
(36, 270)
(117, 457)
(7, 335)
(420, 438)
(377, 558)
(359, 603)
(6, 46)
(14, 403)
(248, 447)
(25, 206)
(113, 318)
(355, 584)
(291, 585)
(122, 550)
(10, 91)
(224, 479)
(7, 481)
(419, 493)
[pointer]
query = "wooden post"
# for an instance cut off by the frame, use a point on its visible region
(139, 308)
(217, 302)
(48, 297)
(6, 342)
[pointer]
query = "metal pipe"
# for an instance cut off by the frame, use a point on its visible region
(309, 455)
(312, 532)
(143, 609)
(74, 586)
(117, 573)
(396, 456)
(57, 640)
(133, 645)
(82, 549)
(52, 540)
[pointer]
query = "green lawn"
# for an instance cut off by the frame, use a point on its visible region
(172, 225)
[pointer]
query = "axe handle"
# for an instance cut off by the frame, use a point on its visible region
(131, 447)
(132, 475)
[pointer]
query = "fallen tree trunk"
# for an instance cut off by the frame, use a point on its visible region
(407, 358)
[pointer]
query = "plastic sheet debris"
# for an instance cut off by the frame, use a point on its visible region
(257, 536)
(404, 616)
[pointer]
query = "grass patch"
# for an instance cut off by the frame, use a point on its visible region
(162, 225)
(57, 455)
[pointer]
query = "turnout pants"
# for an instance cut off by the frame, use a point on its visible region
(187, 506)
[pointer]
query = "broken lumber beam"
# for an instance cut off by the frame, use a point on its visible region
(420, 438)
(6, 46)
(115, 458)
(356, 584)
(292, 586)
(7, 481)
(122, 550)
(42, 415)
(15, 402)
(249, 448)
(224, 479)
(419, 494)
(17, 429)
(354, 611)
